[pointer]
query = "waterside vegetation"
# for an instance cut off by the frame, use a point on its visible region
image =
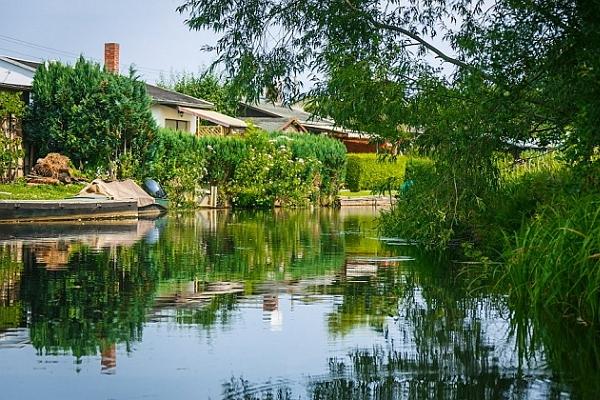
(257, 170)
(516, 74)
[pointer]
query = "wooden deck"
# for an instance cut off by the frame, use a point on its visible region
(366, 201)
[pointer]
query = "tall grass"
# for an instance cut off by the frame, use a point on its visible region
(554, 261)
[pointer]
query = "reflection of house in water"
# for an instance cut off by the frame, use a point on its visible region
(191, 295)
(271, 311)
(357, 269)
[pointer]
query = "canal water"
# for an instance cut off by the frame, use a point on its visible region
(265, 305)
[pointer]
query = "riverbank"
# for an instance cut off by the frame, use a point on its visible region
(23, 191)
(539, 224)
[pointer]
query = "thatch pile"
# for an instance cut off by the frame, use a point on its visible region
(52, 170)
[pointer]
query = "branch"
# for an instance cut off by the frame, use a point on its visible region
(413, 36)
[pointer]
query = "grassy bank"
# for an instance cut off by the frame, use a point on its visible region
(22, 191)
(541, 222)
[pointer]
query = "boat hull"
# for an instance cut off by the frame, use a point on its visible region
(66, 210)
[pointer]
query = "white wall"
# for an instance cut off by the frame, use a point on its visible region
(160, 113)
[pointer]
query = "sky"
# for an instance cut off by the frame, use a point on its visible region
(151, 33)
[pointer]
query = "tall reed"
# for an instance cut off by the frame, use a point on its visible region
(554, 261)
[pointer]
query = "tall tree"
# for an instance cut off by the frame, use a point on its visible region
(206, 86)
(480, 72)
(90, 115)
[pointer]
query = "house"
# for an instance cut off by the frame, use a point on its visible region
(276, 117)
(170, 109)
(16, 76)
(178, 111)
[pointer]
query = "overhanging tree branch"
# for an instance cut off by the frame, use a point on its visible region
(413, 36)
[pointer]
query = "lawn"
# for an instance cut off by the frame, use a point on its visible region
(22, 191)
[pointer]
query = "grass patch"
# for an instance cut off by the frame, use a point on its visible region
(22, 191)
(362, 193)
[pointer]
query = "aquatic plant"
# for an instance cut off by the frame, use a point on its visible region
(554, 261)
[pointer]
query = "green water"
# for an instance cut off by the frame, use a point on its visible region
(266, 305)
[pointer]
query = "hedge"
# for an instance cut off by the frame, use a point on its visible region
(253, 170)
(367, 172)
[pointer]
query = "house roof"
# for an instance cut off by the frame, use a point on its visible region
(268, 124)
(276, 117)
(17, 88)
(33, 65)
(271, 110)
(169, 97)
(215, 117)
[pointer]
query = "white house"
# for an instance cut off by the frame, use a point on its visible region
(178, 111)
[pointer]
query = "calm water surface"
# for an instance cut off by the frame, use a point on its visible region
(271, 305)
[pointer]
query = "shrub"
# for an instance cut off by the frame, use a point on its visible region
(176, 159)
(256, 170)
(330, 154)
(272, 175)
(90, 115)
(367, 172)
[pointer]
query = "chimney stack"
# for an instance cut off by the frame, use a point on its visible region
(111, 57)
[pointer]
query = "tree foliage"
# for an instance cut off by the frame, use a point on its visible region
(11, 108)
(90, 115)
(205, 86)
(460, 80)
(465, 72)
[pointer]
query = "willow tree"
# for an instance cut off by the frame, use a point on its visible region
(470, 78)
(490, 71)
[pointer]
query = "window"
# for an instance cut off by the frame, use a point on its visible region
(177, 124)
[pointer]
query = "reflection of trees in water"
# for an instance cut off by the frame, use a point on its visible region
(445, 342)
(11, 314)
(96, 300)
(441, 342)
(571, 351)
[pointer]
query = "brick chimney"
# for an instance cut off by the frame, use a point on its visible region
(111, 57)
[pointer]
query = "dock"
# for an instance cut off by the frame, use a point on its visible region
(366, 201)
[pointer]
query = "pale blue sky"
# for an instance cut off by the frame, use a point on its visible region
(151, 33)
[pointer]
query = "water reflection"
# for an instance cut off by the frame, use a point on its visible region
(282, 304)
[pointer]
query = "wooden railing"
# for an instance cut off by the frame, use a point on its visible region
(210, 131)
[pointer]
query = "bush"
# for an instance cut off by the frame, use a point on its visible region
(330, 154)
(271, 175)
(256, 170)
(176, 160)
(367, 172)
(94, 117)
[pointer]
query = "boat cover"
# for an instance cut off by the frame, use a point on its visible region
(118, 190)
